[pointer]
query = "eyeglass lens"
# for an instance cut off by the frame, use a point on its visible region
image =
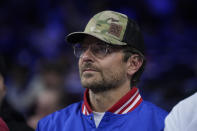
(98, 49)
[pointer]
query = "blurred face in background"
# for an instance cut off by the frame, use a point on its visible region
(2, 88)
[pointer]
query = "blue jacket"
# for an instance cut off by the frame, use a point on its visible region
(130, 113)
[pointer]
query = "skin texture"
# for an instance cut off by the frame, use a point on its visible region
(108, 78)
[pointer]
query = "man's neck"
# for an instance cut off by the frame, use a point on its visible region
(102, 101)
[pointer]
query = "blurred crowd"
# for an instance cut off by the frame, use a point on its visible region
(40, 70)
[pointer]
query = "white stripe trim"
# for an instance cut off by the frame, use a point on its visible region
(132, 105)
(116, 112)
(84, 109)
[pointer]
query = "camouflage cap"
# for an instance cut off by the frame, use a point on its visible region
(113, 28)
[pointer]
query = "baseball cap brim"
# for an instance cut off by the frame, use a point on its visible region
(77, 37)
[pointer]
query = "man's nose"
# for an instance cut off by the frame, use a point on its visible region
(87, 55)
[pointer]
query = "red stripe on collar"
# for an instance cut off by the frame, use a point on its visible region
(86, 109)
(126, 104)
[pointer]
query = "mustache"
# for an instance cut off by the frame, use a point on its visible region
(88, 65)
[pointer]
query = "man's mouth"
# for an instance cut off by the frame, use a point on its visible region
(88, 70)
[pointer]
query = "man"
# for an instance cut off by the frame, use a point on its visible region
(183, 116)
(111, 60)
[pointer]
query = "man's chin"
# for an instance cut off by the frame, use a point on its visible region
(87, 84)
(96, 89)
(88, 79)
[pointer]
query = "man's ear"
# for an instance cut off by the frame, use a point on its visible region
(133, 64)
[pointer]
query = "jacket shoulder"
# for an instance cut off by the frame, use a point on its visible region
(153, 109)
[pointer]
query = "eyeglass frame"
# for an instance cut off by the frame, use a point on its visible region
(109, 48)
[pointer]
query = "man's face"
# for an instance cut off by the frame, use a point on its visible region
(101, 73)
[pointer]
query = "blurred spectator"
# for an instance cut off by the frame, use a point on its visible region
(3, 125)
(183, 116)
(53, 95)
(18, 93)
(13, 119)
(2, 88)
(47, 102)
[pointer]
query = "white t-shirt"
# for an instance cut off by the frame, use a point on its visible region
(98, 117)
(183, 116)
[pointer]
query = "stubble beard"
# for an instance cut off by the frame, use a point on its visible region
(101, 82)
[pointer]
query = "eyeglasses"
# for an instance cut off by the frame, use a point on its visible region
(98, 49)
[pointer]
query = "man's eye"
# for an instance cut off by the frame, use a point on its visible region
(100, 45)
(99, 48)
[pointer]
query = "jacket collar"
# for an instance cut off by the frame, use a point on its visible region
(126, 104)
